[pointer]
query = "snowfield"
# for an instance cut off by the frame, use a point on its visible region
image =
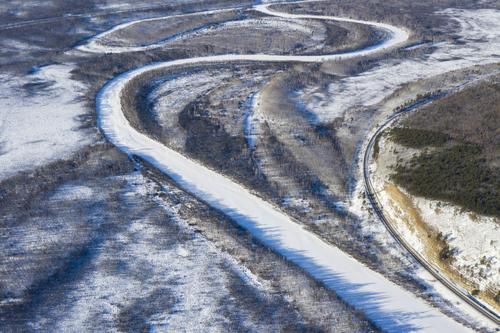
(94, 44)
(475, 238)
(275, 23)
(479, 45)
(389, 306)
(169, 98)
(396, 35)
(152, 271)
(36, 129)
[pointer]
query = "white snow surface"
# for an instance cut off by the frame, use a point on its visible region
(283, 25)
(251, 120)
(475, 239)
(94, 45)
(195, 272)
(480, 45)
(73, 192)
(275, 23)
(396, 35)
(169, 98)
(391, 307)
(38, 128)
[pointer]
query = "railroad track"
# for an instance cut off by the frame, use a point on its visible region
(377, 207)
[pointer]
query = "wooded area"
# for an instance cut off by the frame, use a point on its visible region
(463, 165)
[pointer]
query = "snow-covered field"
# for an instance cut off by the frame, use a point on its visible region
(134, 261)
(474, 239)
(191, 279)
(173, 95)
(274, 23)
(397, 35)
(479, 44)
(388, 305)
(36, 129)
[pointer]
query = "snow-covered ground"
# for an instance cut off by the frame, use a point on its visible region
(189, 278)
(286, 33)
(474, 239)
(95, 44)
(40, 126)
(396, 35)
(251, 120)
(11, 47)
(388, 305)
(479, 44)
(110, 253)
(280, 24)
(169, 98)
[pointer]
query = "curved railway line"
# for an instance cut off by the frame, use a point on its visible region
(378, 208)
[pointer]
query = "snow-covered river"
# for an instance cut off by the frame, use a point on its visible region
(388, 305)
